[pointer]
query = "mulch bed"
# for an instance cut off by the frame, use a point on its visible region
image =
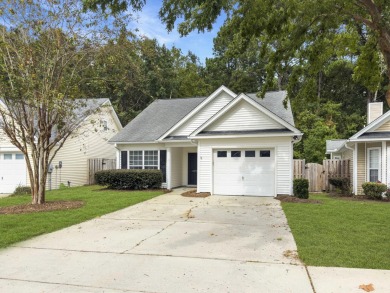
(358, 198)
(48, 206)
(293, 199)
(193, 193)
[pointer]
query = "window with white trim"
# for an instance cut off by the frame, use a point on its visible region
(135, 160)
(373, 164)
(143, 160)
(150, 159)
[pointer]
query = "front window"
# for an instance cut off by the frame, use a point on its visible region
(373, 155)
(143, 159)
(151, 159)
(135, 160)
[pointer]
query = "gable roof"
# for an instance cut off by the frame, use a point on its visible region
(273, 101)
(334, 145)
(161, 117)
(260, 105)
(196, 110)
(374, 124)
(90, 106)
(156, 119)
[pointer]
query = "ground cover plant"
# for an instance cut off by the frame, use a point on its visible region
(96, 202)
(341, 232)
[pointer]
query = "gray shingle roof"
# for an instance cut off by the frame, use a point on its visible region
(372, 135)
(334, 145)
(162, 115)
(156, 119)
(273, 101)
(86, 106)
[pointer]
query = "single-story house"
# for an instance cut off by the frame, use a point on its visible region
(225, 144)
(89, 140)
(368, 149)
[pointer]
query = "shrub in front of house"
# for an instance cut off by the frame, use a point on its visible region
(129, 179)
(374, 190)
(301, 188)
(343, 184)
(22, 190)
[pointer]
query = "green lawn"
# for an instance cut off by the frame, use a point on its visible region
(341, 233)
(18, 227)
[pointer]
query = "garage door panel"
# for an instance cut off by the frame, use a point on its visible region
(244, 175)
(12, 172)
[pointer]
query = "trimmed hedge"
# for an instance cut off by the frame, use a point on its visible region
(130, 179)
(374, 190)
(301, 188)
(344, 184)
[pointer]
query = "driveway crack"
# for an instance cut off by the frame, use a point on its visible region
(143, 240)
(310, 280)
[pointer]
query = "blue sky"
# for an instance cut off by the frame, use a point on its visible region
(149, 25)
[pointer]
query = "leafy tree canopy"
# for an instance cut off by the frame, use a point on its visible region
(294, 31)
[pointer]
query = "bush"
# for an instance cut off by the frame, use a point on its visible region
(22, 190)
(374, 190)
(387, 194)
(344, 184)
(301, 188)
(129, 179)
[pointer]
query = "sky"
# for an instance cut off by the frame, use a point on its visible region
(149, 25)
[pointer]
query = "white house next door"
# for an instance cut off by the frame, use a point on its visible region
(244, 172)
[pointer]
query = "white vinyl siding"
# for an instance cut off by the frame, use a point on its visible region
(89, 141)
(373, 164)
(176, 167)
(283, 159)
(244, 116)
(384, 127)
(203, 115)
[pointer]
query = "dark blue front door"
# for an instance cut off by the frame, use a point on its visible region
(192, 168)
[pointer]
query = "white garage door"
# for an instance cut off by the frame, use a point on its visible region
(12, 171)
(244, 172)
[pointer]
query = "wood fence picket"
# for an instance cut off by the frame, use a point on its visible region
(318, 175)
(98, 164)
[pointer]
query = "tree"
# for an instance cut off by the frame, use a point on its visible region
(44, 48)
(133, 72)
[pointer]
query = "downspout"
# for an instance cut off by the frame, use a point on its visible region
(354, 166)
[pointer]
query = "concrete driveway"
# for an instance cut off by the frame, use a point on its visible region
(167, 244)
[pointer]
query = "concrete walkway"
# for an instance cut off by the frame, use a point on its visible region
(176, 244)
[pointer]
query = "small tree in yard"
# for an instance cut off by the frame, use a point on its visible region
(44, 48)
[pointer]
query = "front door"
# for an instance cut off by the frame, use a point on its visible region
(192, 168)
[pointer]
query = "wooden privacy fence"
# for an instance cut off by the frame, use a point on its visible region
(95, 165)
(318, 175)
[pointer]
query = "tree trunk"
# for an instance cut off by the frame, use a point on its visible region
(38, 184)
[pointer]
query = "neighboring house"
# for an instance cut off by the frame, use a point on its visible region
(368, 149)
(89, 140)
(224, 144)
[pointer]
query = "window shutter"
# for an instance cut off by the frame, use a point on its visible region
(123, 159)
